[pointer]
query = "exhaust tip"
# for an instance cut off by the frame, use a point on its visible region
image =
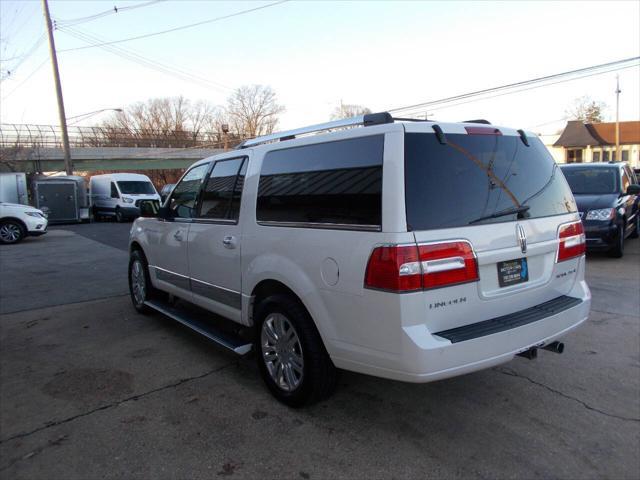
(555, 347)
(530, 354)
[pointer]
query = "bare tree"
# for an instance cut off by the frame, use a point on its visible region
(161, 122)
(252, 110)
(345, 110)
(586, 109)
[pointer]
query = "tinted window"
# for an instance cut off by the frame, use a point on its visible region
(328, 183)
(185, 194)
(136, 188)
(114, 191)
(221, 194)
(592, 180)
(477, 178)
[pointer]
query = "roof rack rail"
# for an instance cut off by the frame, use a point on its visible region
(364, 120)
(407, 119)
(479, 120)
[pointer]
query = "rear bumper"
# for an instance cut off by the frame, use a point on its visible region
(425, 360)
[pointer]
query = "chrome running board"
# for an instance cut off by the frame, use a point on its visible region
(201, 326)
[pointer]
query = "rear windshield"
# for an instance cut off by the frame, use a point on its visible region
(136, 188)
(478, 179)
(592, 180)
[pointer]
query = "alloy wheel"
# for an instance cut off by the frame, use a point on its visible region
(282, 352)
(10, 233)
(138, 282)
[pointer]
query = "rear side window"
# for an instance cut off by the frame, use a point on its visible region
(335, 184)
(221, 193)
(478, 179)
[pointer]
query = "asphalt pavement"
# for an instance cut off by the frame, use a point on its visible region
(90, 389)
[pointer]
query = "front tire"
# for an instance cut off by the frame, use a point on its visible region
(11, 232)
(140, 287)
(119, 215)
(618, 249)
(293, 362)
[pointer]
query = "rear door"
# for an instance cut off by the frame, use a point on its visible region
(215, 240)
(59, 199)
(485, 188)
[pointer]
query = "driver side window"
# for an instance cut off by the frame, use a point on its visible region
(185, 194)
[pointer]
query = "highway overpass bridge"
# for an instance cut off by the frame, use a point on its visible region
(37, 148)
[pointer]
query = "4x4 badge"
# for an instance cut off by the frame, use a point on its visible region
(522, 238)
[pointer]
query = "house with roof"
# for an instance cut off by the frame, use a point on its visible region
(596, 142)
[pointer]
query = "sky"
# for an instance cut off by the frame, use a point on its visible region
(315, 54)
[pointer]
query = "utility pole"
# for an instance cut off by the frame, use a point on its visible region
(618, 91)
(68, 165)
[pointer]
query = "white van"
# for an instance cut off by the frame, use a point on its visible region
(119, 194)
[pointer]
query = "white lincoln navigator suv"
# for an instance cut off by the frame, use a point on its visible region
(414, 251)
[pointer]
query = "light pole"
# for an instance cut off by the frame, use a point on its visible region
(91, 114)
(618, 91)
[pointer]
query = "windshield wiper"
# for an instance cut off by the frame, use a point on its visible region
(519, 210)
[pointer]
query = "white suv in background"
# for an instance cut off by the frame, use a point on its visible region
(414, 251)
(18, 221)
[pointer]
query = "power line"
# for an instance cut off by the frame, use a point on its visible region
(26, 55)
(27, 78)
(512, 85)
(175, 29)
(111, 11)
(144, 61)
(472, 100)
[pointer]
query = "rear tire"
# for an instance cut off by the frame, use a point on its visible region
(618, 249)
(140, 287)
(293, 362)
(11, 232)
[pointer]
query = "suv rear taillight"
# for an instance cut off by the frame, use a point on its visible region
(445, 264)
(408, 268)
(571, 241)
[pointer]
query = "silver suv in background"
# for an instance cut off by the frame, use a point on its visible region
(414, 251)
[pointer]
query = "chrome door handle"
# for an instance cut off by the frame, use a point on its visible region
(229, 241)
(178, 235)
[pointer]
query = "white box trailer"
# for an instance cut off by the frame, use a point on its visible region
(13, 188)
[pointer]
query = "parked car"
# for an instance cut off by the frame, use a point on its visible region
(18, 221)
(165, 191)
(411, 251)
(118, 195)
(608, 197)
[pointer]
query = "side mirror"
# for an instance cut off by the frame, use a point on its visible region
(633, 189)
(149, 208)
